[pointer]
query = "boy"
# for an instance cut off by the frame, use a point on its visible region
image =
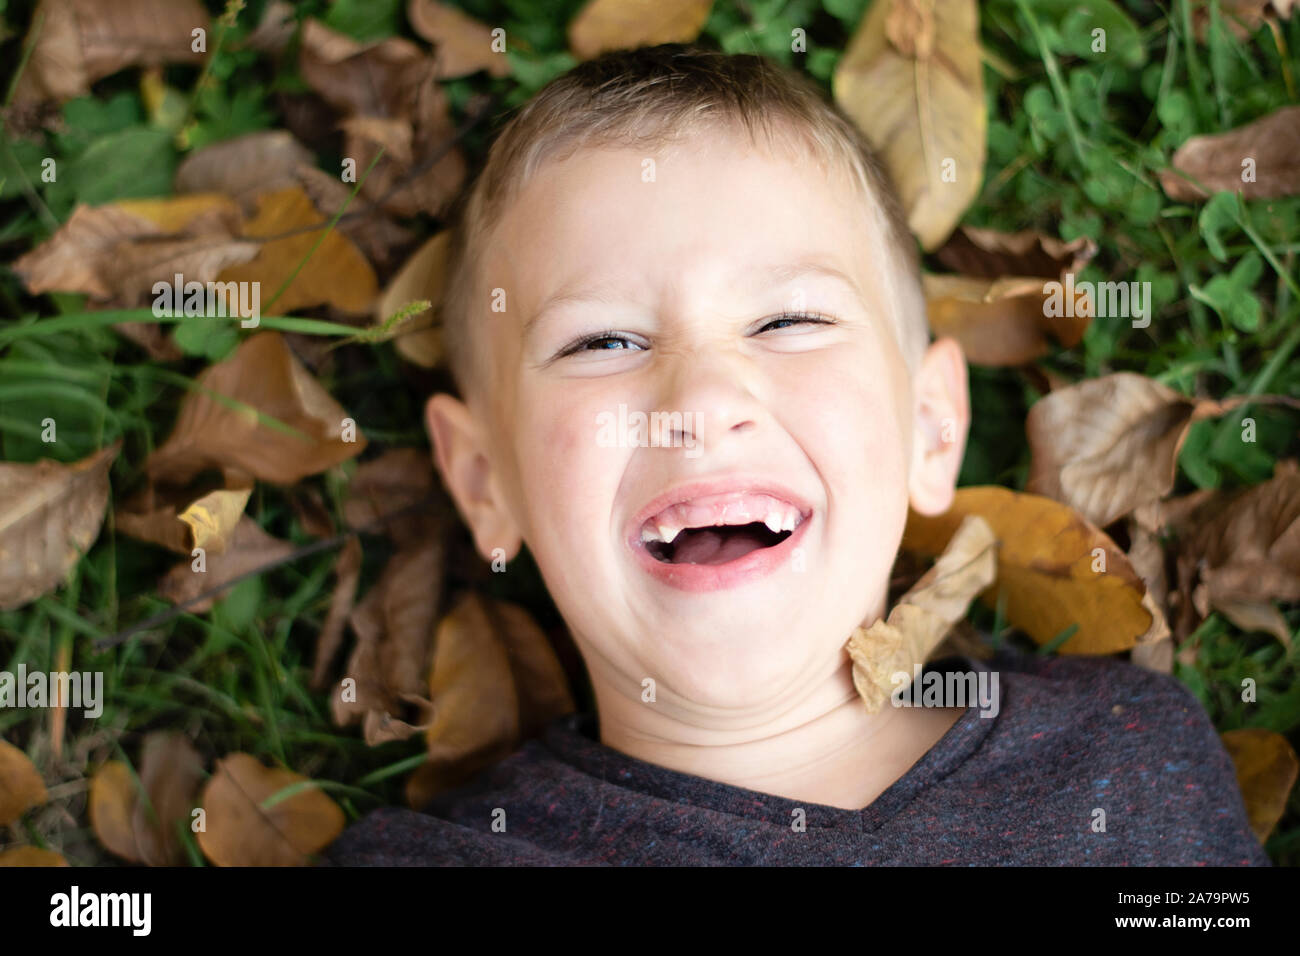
(682, 232)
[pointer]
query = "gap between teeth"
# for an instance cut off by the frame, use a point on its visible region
(776, 523)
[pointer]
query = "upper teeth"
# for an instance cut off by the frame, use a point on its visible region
(776, 519)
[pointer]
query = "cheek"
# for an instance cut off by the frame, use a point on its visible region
(850, 423)
(566, 476)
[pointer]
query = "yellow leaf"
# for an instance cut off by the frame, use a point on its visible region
(1055, 569)
(213, 517)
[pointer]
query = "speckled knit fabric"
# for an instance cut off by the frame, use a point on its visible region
(1073, 735)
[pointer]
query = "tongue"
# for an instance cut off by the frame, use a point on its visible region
(713, 546)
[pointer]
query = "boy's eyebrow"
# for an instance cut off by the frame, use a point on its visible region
(776, 274)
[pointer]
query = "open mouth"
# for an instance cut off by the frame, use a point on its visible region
(716, 545)
(713, 532)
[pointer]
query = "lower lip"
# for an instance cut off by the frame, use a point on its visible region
(716, 577)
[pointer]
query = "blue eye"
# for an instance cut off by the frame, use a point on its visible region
(599, 343)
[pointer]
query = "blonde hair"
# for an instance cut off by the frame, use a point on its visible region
(646, 97)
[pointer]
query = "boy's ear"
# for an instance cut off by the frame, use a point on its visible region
(464, 462)
(939, 429)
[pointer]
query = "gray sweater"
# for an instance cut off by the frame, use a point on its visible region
(1073, 735)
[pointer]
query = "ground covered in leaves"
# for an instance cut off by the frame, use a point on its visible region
(237, 526)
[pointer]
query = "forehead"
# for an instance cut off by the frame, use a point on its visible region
(712, 213)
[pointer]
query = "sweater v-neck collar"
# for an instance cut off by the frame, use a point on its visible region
(574, 739)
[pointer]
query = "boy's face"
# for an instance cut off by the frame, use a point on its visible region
(685, 268)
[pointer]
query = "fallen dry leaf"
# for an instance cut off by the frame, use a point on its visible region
(240, 832)
(244, 167)
(1046, 559)
(249, 547)
(998, 322)
(421, 278)
(116, 252)
(21, 786)
(912, 81)
(394, 625)
(1239, 551)
(1257, 616)
(1109, 445)
(462, 45)
(924, 615)
(476, 705)
(540, 683)
(347, 572)
(992, 254)
(31, 856)
(170, 773)
(76, 42)
(384, 487)
(495, 682)
(1219, 161)
(50, 514)
(392, 80)
(375, 233)
(336, 273)
(1266, 771)
(154, 514)
(144, 830)
(604, 25)
(265, 376)
(112, 804)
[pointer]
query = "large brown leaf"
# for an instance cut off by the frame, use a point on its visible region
(336, 273)
(262, 376)
(76, 42)
(1046, 558)
(1273, 142)
(394, 626)
(475, 699)
(604, 25)
(21, 786)
(116, 252)
(462, 45)
(1109, 445)
(911, 79)
(1266, 771)
(495, 681)
(50, 513)
(1244, 548)
(241, 832)
(925, 614)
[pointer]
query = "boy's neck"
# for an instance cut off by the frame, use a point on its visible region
(830, 751)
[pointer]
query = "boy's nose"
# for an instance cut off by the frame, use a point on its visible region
(716, 396)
